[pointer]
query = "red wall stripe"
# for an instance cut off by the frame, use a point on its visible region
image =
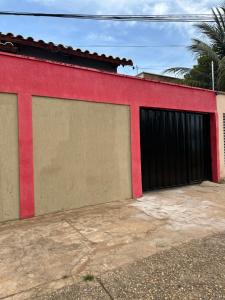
(214, 132)
(26, 156)
(136, 151)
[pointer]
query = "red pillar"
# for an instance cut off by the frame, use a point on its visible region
(214, 133)
(136, 151)
(26, 156)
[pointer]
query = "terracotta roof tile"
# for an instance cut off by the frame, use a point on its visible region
(19, 39)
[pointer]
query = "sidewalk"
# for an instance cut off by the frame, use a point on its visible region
(43, 254)
(194, 270)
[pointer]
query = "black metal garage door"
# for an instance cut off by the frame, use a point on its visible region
(175, 148)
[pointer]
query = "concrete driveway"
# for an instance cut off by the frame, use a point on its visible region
(46, 253)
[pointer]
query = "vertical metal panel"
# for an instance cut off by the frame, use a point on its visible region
(175, 148)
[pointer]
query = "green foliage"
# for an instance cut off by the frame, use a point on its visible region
(200, 74)
(88, 277)
(206, 52)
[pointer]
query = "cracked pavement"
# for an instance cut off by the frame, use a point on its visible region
(194, 270)
(47, 253)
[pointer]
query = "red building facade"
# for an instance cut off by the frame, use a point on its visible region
(27, 77)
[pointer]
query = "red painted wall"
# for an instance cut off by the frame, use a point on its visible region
(29, 76)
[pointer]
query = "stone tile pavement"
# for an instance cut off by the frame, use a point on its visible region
(50, 252)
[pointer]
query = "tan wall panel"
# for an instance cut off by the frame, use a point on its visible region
(221, 111)
(81, 153)
(9, 162)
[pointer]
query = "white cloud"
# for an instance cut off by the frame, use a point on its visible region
(131, 6)
(134, 7)
(152, 8)
(93, 37)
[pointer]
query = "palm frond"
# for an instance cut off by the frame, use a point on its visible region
(214, 50)
(178, 70)
(221, 18)
(202, 49)
(211, 32)
(217, 20)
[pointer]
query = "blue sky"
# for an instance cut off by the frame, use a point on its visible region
(85, 34)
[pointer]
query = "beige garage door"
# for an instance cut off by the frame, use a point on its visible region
(9, 166)
(81, 153)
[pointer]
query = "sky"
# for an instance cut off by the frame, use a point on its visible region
(86, 34)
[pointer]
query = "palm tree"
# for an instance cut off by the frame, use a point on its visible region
(213, 49)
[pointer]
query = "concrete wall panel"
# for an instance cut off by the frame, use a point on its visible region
(9, 162)
(81, 153)
(221, 111)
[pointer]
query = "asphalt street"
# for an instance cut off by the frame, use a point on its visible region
(194, 270)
